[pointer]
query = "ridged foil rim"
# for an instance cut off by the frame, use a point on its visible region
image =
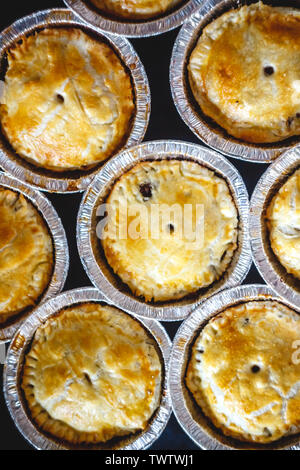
(273, 177)
(203, 433)
(14, 361)
(26, 172)
(101, 186)
(60, 246)
(130, 29)
(213, 136)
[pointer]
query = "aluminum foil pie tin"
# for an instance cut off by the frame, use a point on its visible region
(266, 262)
(188, 413)
(14, 364)
(137, 29)
(204, 128)
(79, 180)
(94, 261)
(60, 247)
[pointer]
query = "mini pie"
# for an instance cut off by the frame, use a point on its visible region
(171, 260)
(92, 373)
(283, 221)
(245, 72)
(68, 101)
(243, 373)
(136, 9)
(26, 254)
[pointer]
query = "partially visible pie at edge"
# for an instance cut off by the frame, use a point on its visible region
(26, 254)
(283, 222)
(136, 9)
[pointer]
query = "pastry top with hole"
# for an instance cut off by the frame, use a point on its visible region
(68, 100)
(92, 373)
(283, 221)
(136, 9)
(244, 371)
(180, 232)
(26, 254)
(245, 72)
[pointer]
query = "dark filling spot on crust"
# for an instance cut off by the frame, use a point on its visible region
(298, 115)
(289, 121)
(146, 190)
(268, 70)
(255, 369)
(171, 228)
(246, 321)
(267, 432)
(60, 98)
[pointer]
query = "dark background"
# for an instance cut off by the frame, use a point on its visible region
(165, 123)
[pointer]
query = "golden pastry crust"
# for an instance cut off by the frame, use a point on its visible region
(242, 373)
(92, 373)
(171, 264)
(245, 72)
(283, 222)
(68, 102)
(136, 9)
(26, 254)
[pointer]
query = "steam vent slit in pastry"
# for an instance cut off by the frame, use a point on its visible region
(242, 372)
(26, 255)
(136, 10)
(68, 101)
(170, 264)
(244, 72)
(92, 374)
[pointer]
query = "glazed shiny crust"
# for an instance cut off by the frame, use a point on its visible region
(245, 72)
(92, 373)
(283, 221)
(68, 100)
(172, 263)
(243, 373)
(136, 9)
(26, 254)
